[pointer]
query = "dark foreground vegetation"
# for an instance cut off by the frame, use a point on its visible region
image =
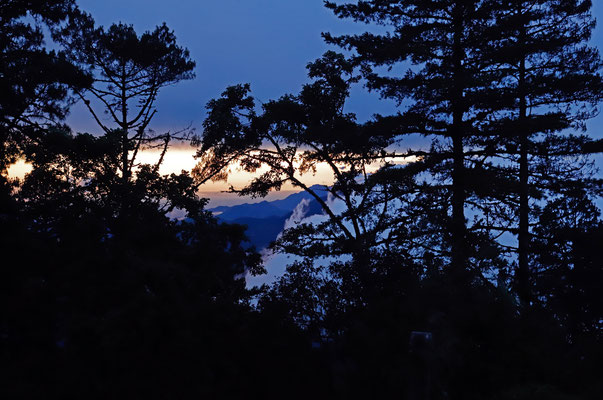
(472, 270)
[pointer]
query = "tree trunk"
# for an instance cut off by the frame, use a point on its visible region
(523, 273)
(459, 253)
(125, 165)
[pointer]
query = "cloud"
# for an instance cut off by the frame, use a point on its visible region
(276, 263)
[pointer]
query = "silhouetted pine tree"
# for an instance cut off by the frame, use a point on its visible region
(129, 70)
(292, 137)
(547, 84)
(441, 44)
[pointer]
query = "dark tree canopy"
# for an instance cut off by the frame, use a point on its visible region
(501, 83)
(548, 85)
(441, 43)
(34, 81)
(292, 137)
(468, 269)
(129, 71)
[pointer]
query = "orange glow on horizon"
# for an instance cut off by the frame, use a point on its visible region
(177, 160)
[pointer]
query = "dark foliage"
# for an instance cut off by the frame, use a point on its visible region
(394, 293)
(34, 81)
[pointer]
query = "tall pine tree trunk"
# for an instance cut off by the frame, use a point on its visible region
(523, 274)
(459, 253)
(124, 126)
(125, 164)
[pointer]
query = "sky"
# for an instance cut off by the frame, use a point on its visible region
(266, 43)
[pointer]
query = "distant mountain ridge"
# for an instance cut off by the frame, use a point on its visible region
(265, 220)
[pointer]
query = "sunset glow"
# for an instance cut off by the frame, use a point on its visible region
(182, 159)
(19, 169)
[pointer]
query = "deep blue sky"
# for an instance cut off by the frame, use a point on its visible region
(264, 42)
